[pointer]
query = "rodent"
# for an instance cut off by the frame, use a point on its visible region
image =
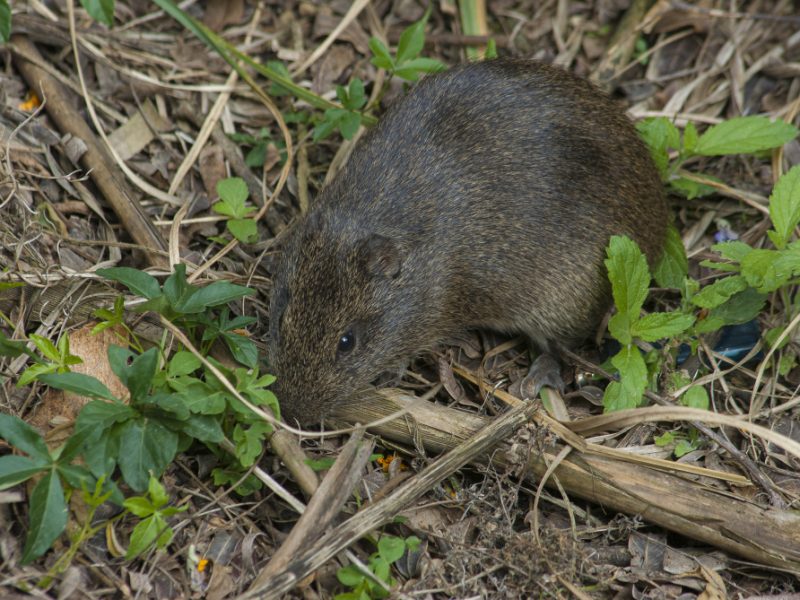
(484, 198)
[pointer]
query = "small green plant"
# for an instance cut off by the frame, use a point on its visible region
(630, 282)
(260, 142)
(233, 204)
(740, 135)
(57, 359)
(170, 404)
(749, 274)
(406, 63)
(681, 444)
(346, 119)
(153, 529)
(390, 550)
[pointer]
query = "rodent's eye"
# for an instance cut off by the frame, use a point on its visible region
(347, 341)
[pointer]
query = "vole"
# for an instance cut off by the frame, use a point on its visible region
(484, 198)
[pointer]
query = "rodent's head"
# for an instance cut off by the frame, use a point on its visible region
(334, 299)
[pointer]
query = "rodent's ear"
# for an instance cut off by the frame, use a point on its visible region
(380, 256)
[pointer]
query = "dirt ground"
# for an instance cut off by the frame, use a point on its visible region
(169, 106)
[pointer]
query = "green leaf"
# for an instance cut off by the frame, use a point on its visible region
(734, 250)
(101, 11)
(784, 206)
(673, 265)
(745, 135)
(244, 230)
(381, 55)
(249, 441)
(719, 292)
(627, 270)
(138, 282)
(349, 124)
(78, 383)
(139, 506)
(628, 392)
(203, 428)
(324, 128)
(46, 347)
(183, 362)
(276, 89)
(412, 40)
(23, 437)
(8, 347)
(157, 493)
(146, 447)
(349, 576)
(420, 65)
(214, 294)
(657, 326)
(34, 372)
(5, 21)
(741, 308)
(233, 191)
(16, 469)
(391, 548)
(76, 476)
(139, 375)
(47, 514)
(695, 397)
(660, 135)
(242, 348)
(143, 536)
(763, 271)
(690, 188)
(176, 288)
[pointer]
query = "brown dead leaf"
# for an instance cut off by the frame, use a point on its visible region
(59, 407)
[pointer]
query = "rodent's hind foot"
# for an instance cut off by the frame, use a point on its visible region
(544, 372)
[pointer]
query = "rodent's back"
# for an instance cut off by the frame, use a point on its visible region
(499, 184)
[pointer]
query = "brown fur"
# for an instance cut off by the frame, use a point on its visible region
(484, 198)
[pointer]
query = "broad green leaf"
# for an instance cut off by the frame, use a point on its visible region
(382, 58)
(349, 576)
(244, 230)
(23, 437)
(136, 281)
(627, 271)
(324, 128)
(242, 348)
(249, 441)
(628, 392)
(763, 271)
(234, 192)
(16, 469)
(203, 428)
(183, 362)
(745, 135)
(101, 11)
(139, 506)
(169, 403)
(139, 375)
(421, 65)
(391, 548)
(619, 326)
(784, 206)
(719, 292)
(214, 294)
(673, 265)
(695, 397)
(176, 288)
(657, 326)
(146, 447)
(94, 422)
(76, 476)
(48, 516)
(733, 250)
(78, 383)
(741, 308)
(349, 124)
(144, 534)
(660, 135)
